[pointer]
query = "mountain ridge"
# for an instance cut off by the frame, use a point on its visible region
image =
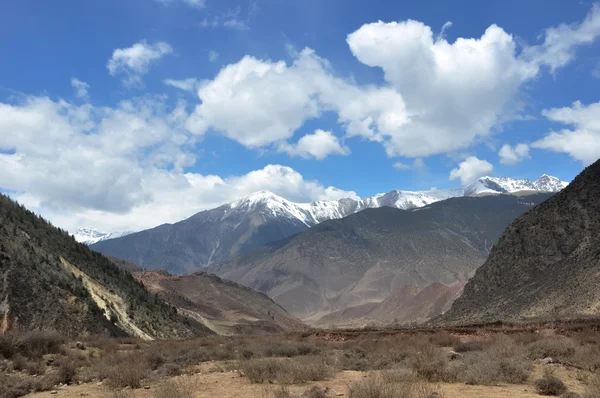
(366, 256)
(218, 234)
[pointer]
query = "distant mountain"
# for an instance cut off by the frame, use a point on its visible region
(217, 235)
(49, 281)
(405, 305)
(89, 235)
(367, 256)
(546, 265)
(223, 306)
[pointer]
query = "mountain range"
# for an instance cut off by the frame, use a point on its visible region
(219, 234)
(545, 266)
(368, 256)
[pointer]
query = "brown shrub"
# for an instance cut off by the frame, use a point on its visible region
(123, 371)
(35, 344)
(550, 385)
(376, 386)
(184, 387)
(429, 363)
(285, 371)
(558, 348)
(66, 371)
(14, 386)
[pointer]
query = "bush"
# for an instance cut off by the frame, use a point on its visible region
(550, 385)
(376, 386)
(285, 371)
(37, 343)
(555, 348)
(124, 372)
(66, 372)
(429, 363)
(315, 392)
(179, 388)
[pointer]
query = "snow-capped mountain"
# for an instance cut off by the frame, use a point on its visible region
(89, 235)
(545, 183)
(218, 234)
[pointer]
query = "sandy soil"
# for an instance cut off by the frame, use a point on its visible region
(232, 385)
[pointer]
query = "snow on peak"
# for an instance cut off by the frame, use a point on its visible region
(89, 235)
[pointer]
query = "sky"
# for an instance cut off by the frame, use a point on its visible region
(123, 115)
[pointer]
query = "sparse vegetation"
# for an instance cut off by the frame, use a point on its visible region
(398, 365)
(550, 385)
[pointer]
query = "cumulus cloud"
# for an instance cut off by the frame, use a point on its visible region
(318, 145)
(260, 102)
(471, 169)
(122, 167)
(81, 88)
(560, 42)
(583, 141)
(190, 84)
(439, 96)
(453, 92)
(135, 61)
(512, 155)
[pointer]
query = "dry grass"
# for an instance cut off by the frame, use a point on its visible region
(183, 387)
(396, 386)
(285, 371)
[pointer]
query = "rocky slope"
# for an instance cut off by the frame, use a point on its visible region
(223, 306)
(219, 234)
(49, 281)
(366, 256)
(545, 265)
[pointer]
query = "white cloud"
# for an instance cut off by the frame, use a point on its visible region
(439, 96)
(453, 92)
(417, 164)
(258, 103)
(187, 84)
(558, 48)
(81, 88)
(582, 142)
(318, 145)
(121, 168)
(135, 61)
(513, 155)
(213, 56)
(471, 169)
(192, 3)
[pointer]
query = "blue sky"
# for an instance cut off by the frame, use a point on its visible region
(311, 99)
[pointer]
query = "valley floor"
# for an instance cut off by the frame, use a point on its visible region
(231, 385)
(493, 361)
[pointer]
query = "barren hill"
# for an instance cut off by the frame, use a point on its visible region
(223, 306)
(545, 265)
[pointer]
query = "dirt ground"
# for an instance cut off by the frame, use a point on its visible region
(232, 385)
